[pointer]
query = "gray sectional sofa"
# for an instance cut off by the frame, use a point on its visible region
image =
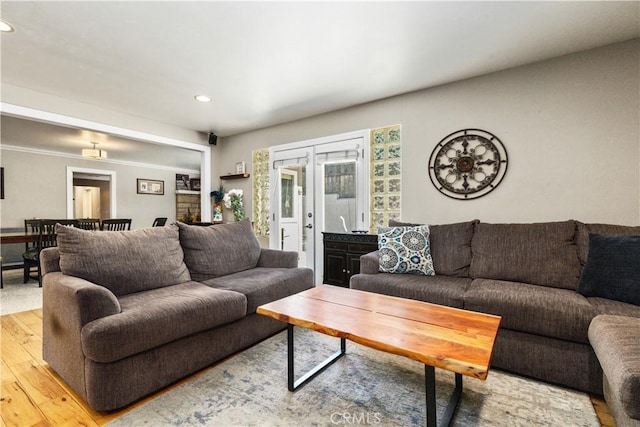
(128, 313)
(528, 274)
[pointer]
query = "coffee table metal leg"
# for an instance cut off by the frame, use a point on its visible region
(430, 388)
(292, 384)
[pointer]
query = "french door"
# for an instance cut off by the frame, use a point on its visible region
(316, 186)
(291, 203)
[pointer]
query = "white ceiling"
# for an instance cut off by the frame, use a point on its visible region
(266, 63)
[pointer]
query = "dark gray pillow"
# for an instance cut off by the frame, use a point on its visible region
(123, 261)
(612, 270)
(218, 250)
(582, 235)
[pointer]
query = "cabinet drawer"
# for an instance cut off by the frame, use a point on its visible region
(363, 248)
(341, 246)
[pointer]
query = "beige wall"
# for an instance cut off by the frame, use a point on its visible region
(35, 183)
(571, 127)
(35, 187)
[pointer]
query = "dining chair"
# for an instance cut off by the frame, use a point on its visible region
(30, 254)
(47, 239)
(116, 224)
(159, 222)
(89, 223)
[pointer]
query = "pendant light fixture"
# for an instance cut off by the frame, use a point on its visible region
(94, 153)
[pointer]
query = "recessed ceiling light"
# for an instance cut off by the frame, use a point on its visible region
(5, 27)
(202, 98)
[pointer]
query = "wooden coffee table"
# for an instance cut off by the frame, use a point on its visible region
(457, 340)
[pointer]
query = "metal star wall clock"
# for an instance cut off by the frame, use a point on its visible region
(468, 164)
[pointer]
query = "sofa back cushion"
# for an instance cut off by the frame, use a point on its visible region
(540, 254)
(123, 261)
(582, 235)
(218, 250)
(450, 246)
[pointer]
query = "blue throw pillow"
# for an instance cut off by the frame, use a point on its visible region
(405, 250)
(613, 268)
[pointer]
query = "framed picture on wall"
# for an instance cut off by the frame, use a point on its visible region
(240, 168)
(182, 181)
(194, 184)
(150, 186)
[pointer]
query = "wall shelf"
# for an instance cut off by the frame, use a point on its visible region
(235, 176)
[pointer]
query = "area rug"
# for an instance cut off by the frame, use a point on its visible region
(17, 296)
(365, 387)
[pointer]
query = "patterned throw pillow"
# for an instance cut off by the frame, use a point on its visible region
(405, 250)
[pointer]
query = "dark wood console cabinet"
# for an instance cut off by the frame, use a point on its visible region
(342, 253)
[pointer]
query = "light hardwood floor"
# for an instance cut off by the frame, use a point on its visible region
(33, 394)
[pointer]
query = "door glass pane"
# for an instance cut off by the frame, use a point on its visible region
(293, 236)
(339, 196)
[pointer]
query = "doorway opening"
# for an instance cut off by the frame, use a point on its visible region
(91, 193)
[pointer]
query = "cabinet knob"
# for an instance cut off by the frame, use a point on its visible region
(344, 271)
(348, 272)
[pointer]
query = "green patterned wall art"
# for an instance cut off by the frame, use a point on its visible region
(260, 164)
(386, 176)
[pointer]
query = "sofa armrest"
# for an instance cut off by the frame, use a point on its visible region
(69, 303)
(616, 342)
(274, 258)
(49, 260)
(370, 263)
(76, 300)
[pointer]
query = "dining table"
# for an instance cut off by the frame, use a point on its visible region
(18, 237)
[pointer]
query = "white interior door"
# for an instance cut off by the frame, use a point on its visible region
(87, 202)
(290, 211)
(341, 190)
(292, 218)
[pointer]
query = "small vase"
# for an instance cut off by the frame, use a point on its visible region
(217, 212)
(227, 215)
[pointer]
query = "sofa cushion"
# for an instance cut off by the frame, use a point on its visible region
(152, 318)
(609, 306)
(405, 250)
(262, 285)
(616, 341)
(613, 268)
(540, 310)
(540, 254)
(123, 261)
(218, 250)
(583, 231)
(450, 246)
(443, 290)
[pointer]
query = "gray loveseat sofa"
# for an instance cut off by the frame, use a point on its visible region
(529, 275)
(127, 313)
